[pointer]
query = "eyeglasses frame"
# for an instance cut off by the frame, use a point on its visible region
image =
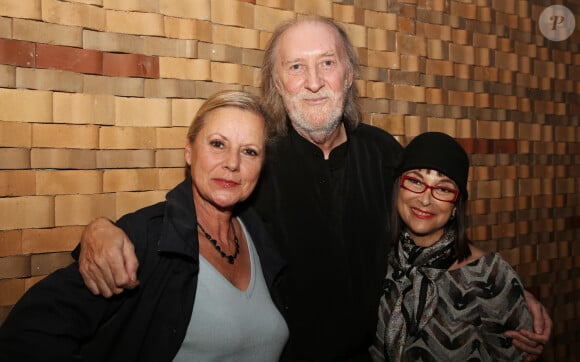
(427, 187)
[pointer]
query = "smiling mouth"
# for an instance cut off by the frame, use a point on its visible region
(421, 214)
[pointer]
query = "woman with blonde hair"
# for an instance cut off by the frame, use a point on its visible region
(208, 270)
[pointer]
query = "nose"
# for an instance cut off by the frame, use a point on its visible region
(314, 80)
(232, 161)
(425, 197)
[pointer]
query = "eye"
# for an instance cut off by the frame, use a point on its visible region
(414, 181)
(216, 143)
(327, 63)
(296, 67)
(250, 152)
(444, 190)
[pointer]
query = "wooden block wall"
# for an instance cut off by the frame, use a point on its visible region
(96, 95)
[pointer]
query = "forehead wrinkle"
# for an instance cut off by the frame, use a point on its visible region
(330, 53)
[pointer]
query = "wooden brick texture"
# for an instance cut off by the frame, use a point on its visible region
(96, 97)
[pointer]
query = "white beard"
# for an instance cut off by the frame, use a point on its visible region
(318, 124)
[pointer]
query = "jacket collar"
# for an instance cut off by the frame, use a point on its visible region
(179, 233)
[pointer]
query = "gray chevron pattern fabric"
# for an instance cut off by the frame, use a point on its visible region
(476, 304)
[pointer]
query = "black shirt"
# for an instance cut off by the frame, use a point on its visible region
(330, 220)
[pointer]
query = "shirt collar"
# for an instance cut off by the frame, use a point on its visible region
(338, 154)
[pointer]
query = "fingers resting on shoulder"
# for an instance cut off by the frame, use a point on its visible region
(107, 260)
(532, 342)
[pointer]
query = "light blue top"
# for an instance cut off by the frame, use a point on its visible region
(229, 324)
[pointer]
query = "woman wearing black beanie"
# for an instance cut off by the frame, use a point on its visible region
(444, 299)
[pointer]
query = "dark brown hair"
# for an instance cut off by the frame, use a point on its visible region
(458, 223)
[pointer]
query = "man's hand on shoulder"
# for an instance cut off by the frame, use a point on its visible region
(107, 260)
(532, 342)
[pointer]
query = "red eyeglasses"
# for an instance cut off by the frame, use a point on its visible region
(440, 193)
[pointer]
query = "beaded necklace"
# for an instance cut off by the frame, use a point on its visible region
(229, 258)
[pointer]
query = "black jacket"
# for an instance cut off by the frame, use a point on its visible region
(58, 319)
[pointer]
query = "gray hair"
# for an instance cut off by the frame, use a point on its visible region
(273, 100)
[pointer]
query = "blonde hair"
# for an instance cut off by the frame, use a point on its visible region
(230, 98)
(273, 100)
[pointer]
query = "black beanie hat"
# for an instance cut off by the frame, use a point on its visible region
(437, 151)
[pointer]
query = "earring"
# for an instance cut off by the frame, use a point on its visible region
(453, 213)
